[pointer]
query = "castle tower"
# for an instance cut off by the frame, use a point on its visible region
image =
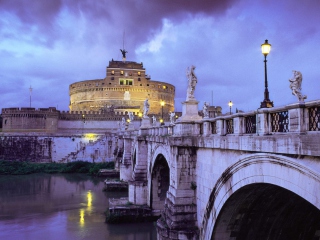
(124, 89)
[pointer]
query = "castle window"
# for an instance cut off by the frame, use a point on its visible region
(121, 72)
(112, 72)
(130, 73)
(148, 85)
(139, 73)
(164, 87)
(139, 79)
(125, 81)
(112, 78)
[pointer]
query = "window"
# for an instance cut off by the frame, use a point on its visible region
(121, 72)
(123, 81)
(139, 79)
(164, 87)
(112, 78)
(139, 73)
(112, 72)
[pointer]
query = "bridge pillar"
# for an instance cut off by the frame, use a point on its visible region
(138, 185)
(298, 117)
(206, 126)
(263, 123)
(178, 221)
(126, 167)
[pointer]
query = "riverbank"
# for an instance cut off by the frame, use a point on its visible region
(22, 168)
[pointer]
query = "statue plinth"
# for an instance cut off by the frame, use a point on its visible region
(145, 122)
(189, 111)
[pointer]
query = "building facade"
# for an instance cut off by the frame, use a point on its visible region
(124, 89)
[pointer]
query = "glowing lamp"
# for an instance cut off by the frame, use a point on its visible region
(265, 48)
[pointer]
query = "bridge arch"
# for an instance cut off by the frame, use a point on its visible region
(159, 172)
(264, 175)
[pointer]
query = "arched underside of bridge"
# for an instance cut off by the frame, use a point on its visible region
(160, 182)
(263, 196)
(266, 211)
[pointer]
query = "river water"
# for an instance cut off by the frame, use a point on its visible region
(63, 206)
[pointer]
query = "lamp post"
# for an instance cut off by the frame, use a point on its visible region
(230, 105)
(162, 104)
(265, 48)
(30, 89)
(140, 116)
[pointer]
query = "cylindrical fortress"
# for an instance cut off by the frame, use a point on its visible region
(124, 89)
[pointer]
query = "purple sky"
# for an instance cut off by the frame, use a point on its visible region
(51, 44)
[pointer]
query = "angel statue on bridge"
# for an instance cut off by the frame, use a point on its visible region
(146, 106)
(295, 85)
(192, 82)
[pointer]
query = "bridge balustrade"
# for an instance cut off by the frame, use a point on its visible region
(314, 118)
(294, 118)
(230, 129)
(280, 121)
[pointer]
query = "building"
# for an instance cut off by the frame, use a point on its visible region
(98, 105)
(124, 89)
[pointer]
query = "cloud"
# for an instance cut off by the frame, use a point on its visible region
(51, 45)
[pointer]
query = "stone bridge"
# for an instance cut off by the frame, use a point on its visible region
(253, 175)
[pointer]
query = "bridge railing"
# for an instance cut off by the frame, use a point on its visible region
(294, 118)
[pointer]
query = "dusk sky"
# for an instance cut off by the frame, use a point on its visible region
(50, 44)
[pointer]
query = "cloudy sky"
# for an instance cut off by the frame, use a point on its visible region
(51, 44)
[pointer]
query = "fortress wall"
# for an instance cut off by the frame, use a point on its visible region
(104, 125)
(41, 147)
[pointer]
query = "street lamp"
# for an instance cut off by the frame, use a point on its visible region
(140, 117)
(162, 104)
(230, 105)
(30, 89)
(265, 48)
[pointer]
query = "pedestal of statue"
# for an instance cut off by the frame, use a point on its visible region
(189, 111)
(145, 122)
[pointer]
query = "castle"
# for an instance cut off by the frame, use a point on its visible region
(98, 105)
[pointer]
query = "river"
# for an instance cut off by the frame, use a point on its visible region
(63, 207)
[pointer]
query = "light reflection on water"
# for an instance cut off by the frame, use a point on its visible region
(43, 206)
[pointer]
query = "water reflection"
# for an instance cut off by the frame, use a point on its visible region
(60, 206)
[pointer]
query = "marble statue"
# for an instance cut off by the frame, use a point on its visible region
(123, 122)
(295, 85)
(154, 120)
(131, 117)
(172, 115)
(205, 110)
(146, 106)
(192, 82)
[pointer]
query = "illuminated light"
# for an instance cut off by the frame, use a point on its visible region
(128, 120)
(230, 104)
(89, 197)
(90, 135)
(161, 120)
(162, 103)
(265, 48)
(81, 217)
(140, 114)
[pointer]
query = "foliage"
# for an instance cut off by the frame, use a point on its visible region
(21, 168)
